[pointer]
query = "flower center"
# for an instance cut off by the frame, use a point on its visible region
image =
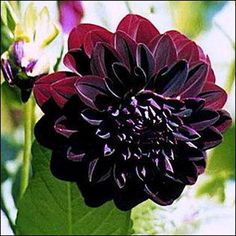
(143, 127)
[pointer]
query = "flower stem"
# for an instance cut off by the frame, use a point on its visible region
(28, 128)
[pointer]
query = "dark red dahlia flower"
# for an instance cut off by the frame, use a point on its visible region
(135, 117)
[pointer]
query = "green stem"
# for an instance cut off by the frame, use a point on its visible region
(28, 127)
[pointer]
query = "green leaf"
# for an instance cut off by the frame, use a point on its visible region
(12, 95)
(53, 207)
(213, 187)
(8, 16)
(4, 173)
(15, 191)
(193, 22)
(222, 159)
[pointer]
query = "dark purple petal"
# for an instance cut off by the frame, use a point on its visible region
(77, 61)
(145, 60)
(211, 137)
(126, 47)
(89, 87)
(203, 119)
(173, 80)
(224, 121)
(102, 59)
(164, 52)
(195, 81)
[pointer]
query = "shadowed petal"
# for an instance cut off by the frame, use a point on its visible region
(89, 87)
(77, 61)
(195, 81)
(164, 53)
(172, 81)
(224, 121)
(214, 96)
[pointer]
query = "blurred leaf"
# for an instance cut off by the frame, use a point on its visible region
(222, 159)
(4, 173)
(9, 147)
(15, 191)
(53, 207)
(56, 66)
(6, 39)
(213, 187)
(230, 77)
(7, 16)
(193, 17)
(143, 219)
(12, 95)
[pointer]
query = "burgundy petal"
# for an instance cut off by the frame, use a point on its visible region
(189, 52)
(59, 86)
(129, 25)
(146, 32)
(179, 39)
(214, 96)
(95, 36)
(78, 34)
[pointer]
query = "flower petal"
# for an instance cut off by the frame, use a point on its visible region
(95, 36)
(179, 39)
(189, 52)
(195, 81)
(211, 137)
(224, 121)
(77, 61)
(126, 47)
(215, 97)
(89, 87)
(171, 82)
(164, 52)
(145, 60)
(59, 86)
(77, 35)
(203, 119)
